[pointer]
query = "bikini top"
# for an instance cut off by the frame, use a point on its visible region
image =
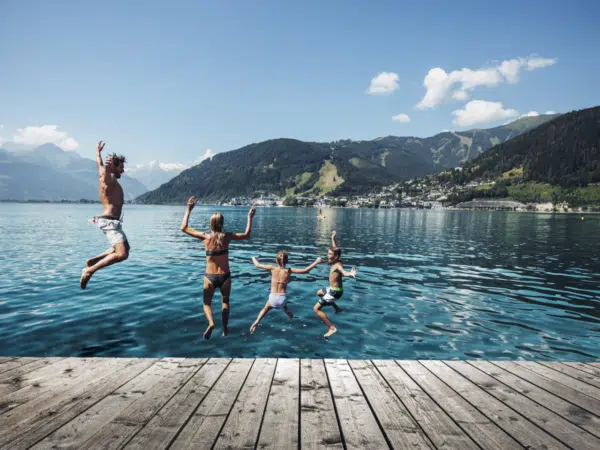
(219, 252)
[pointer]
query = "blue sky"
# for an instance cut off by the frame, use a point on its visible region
(169, 80)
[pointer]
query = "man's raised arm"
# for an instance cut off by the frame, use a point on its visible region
(99, 149)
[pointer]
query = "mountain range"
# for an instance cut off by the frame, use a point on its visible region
(51, 173)
(291, 167)
(155, 173)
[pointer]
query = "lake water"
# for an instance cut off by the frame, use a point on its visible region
(430, 284)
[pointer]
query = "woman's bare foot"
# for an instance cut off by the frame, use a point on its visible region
(290, 314)
(85, 277)
(339, 310)
(330, 332)
(225, 331)
(253, 327)
(208, 331)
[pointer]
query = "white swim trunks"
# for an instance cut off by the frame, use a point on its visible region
(277, 301)
(112, 229)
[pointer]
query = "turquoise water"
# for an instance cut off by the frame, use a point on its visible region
(430, 284)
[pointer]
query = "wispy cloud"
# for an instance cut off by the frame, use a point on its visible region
(209, 153)
(481, 111)
(384, 83)
(438, 82)
(38, 135)
(403, 118)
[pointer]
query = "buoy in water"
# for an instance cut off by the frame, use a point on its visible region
(582, 217)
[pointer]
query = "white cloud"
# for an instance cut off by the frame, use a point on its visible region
(550, 112)
(384, 83)
(438, 82)
(481, 111)
(403, 118)
(45, 134)
(171, 167)
(207, 155)
(529, 114)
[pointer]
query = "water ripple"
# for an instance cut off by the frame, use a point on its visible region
(430, 285)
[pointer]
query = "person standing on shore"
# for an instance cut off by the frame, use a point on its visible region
(217, 275)
(112, 198)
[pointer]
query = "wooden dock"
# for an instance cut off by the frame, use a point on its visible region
(182, 403)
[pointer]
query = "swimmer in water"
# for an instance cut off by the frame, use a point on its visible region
(335, 290)
(280, 277)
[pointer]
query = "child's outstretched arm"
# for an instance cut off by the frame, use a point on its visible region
(352, 272)
(309, 268)
(261, 266)
(333, 243)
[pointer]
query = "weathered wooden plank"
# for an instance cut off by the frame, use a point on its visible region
(15, 362)
(528, 434)
(479, 427)
(96, 420)
(550, 422)
(36, 374)
(49, 413)
(280, 423)
(573, 372)
(204, 426)
(560, 390)
(567, 410)
(149, 396)
(318, 422)
(359, 426)
(436, 424)
(561, 378)
(585, 368)
(401, 430)
(243, 424)
(164, 426)
(18, 374)
(53, 380)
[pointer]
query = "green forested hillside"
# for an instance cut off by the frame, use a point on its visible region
(564, 151)
(292, 167)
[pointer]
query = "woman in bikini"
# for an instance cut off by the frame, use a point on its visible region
(217, 273)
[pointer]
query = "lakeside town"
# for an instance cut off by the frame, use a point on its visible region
(421, 193)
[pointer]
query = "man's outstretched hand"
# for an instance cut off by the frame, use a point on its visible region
(99, 147)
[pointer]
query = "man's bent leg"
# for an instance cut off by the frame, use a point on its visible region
(121, 253)
(90, 262)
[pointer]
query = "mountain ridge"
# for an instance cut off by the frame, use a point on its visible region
(290, 167)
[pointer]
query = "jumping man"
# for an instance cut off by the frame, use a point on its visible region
(112, 198)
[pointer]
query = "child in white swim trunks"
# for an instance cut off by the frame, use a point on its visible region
(279, 281)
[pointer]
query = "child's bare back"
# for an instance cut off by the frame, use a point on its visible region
(280, 277)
